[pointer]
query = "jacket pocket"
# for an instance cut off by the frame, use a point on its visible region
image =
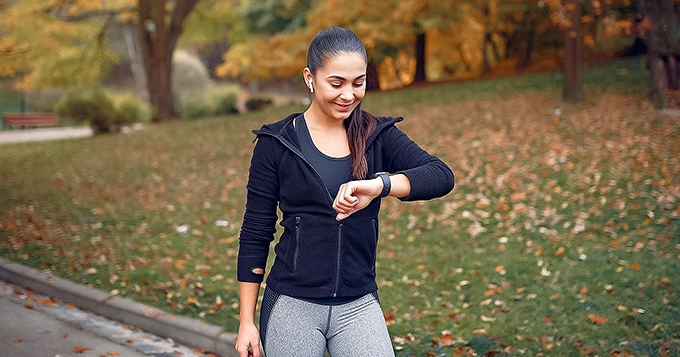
(297, 243)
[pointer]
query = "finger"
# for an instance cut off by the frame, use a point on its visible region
(344, 202)
(241, 352)
(256, 350)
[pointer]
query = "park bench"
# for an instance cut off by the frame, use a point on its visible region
(28, 120)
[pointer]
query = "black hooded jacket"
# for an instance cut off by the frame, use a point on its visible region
(318, 256)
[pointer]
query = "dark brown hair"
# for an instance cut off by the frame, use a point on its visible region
(329, 43)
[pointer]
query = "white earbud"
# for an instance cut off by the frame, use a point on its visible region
(311, 87)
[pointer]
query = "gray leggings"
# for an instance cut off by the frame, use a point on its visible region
(293, 327)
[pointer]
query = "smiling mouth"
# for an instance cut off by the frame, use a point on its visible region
(344, 106)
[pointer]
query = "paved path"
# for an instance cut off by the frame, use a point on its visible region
(25, 135)
(100, 314)
(34, 325)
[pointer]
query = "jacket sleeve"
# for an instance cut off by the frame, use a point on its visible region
(259, 220)
(430, 177)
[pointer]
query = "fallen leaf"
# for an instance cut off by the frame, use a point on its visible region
(81, 349)
(47, 302)
(635, 266)
(113, 353)
(597, 319)
(18, 340)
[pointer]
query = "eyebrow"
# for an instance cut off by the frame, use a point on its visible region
(333, 76)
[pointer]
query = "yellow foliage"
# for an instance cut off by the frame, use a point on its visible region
(396, 72)
(78, 6)
(11, 56)
(53, 52)
(588, 40)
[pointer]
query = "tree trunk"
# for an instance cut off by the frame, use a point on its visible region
(528, 51)
(573, 44)
(158, 41)
(659, 80)
(486, 65)
(663, 49)
(420, 75)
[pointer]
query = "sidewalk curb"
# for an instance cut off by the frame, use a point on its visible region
(185, 330)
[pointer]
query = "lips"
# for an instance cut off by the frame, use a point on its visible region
(343, 107)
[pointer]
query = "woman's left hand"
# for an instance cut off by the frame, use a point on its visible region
(356, 195)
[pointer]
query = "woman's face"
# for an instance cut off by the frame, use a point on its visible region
(340, 85)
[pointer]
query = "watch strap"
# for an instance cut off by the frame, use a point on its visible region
(387, 183)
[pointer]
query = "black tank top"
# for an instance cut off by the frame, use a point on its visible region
(333, 170)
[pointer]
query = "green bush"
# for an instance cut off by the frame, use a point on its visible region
(196, 106)
(190, 77)
(92, 107)
(215, 101)
(131, 109)
(98, 109)
(224, 98)
(258, 103)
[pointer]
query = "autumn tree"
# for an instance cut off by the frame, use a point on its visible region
(573, 51)
(63, 43)
(390, 29)
(660, 25)
(570, 16)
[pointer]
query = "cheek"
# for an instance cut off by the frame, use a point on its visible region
(360, 92)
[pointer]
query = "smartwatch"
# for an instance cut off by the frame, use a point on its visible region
(387, 184)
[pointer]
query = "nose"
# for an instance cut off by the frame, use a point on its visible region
(347, 93)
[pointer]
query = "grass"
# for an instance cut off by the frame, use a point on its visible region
(561, 237)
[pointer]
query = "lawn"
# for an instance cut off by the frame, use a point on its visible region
(561, 238)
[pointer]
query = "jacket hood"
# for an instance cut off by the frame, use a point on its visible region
(280, 128)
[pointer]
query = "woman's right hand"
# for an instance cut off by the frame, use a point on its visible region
(248, 341)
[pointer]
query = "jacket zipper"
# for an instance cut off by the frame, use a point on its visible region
(337, 261)
(297, 220)
(297, 243)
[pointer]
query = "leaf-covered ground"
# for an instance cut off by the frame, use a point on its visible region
(561, 238)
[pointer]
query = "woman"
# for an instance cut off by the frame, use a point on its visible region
(326, 169)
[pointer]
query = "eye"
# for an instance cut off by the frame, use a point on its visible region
(336, 85)
(359, 84)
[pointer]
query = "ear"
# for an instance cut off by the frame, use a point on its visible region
(307, 75)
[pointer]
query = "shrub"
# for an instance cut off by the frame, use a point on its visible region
(217, 100)
(190, 77)
(224, 98)
(258, 103)
(92, 107)
(131, 109)
(196, 106)
(98, 109)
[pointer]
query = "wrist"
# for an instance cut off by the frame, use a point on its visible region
(386, 183)
(247, 322)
